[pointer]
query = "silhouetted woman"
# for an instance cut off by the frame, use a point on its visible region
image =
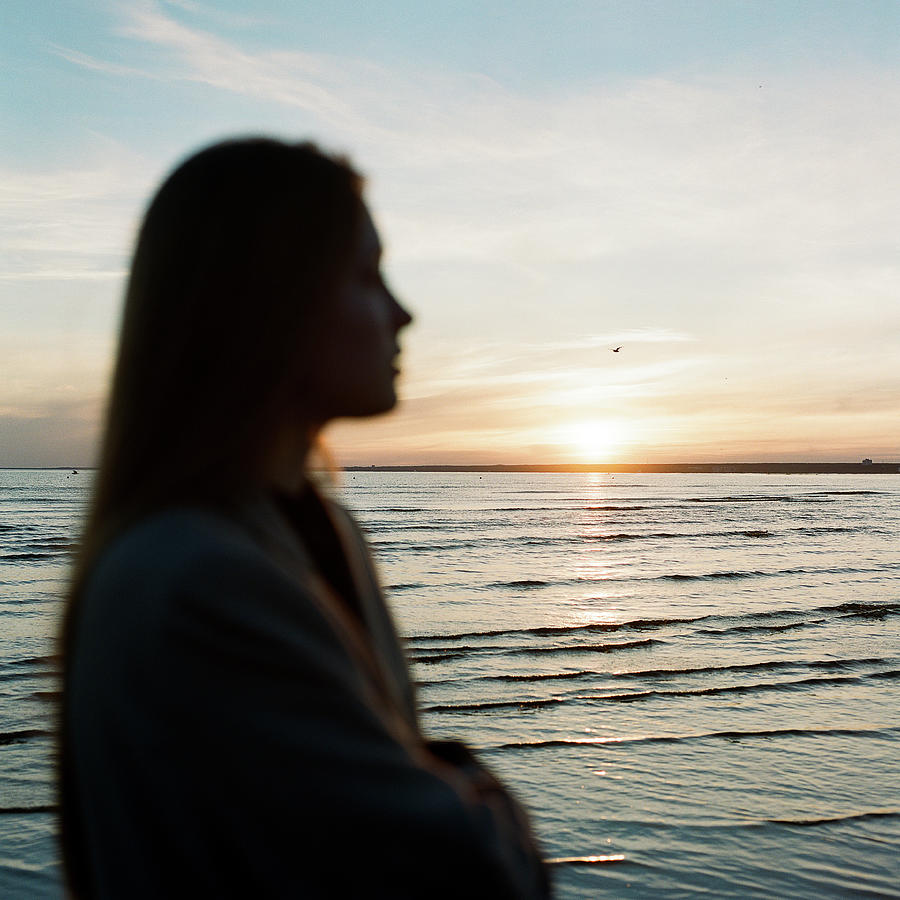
(238, 718)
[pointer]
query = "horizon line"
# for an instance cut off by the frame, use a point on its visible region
(710, 467)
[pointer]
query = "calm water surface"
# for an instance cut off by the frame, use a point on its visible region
(692, 680)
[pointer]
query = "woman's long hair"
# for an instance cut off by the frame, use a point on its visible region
(241, 248)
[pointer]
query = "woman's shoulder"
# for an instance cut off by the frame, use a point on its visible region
(186, 571)
(170, 541)
(168, 558)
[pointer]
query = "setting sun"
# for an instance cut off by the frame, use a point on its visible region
(596, 440)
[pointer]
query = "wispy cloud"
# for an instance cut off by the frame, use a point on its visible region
(715, 167)
(714, 228)
(84, 61)
(292, 79)
(74, 222)
(222, 17)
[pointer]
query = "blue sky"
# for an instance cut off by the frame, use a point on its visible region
(710, 184)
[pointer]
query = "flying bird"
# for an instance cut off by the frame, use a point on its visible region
(616, 349)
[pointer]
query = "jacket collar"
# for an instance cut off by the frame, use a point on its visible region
(376, 645)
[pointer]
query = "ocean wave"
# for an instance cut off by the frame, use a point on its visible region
(29, 556)
(628, 536)
(474, 543)
(463, 649)
(832, 820)
(547, 630)
(519, 540)
(878, 733)
(613, 537)
(433, 525)
(586, 648)
(609, 859)
(862, 609)
(834, 529)
(725, 575)
(762, 498)
(848, 492)
(855, 606)
(527, 583)
(773, 573)
(19, 737)
(24, 676)
(436, 657)
(760, 629)
(498, 704)
(872, 612)
(30, 661)
(512, 677)
(49, 808)
(676, 535)
(638, 696)
(621, 506)
(28, 809)
(643, 674)
(427, 548)
(455, 652)
(45, 543)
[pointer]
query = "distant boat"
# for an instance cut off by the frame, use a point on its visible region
(74, 471)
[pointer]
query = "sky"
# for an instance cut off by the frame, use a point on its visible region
(710, 184)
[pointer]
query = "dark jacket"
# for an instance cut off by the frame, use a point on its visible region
(234, 729)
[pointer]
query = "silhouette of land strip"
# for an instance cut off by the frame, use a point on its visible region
(760, 468)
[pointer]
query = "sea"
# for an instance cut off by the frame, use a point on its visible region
(691, 681)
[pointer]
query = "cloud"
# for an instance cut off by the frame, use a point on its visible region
(225, 18)
(292, 79)
(74, 222)
(105, 67)
(713, 167)
(715, 229)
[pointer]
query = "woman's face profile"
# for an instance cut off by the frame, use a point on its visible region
(358, 345)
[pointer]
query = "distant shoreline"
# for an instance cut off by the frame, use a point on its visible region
(682, 468)
(755, 468)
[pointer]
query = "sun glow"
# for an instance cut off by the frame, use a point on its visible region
(595, 441)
